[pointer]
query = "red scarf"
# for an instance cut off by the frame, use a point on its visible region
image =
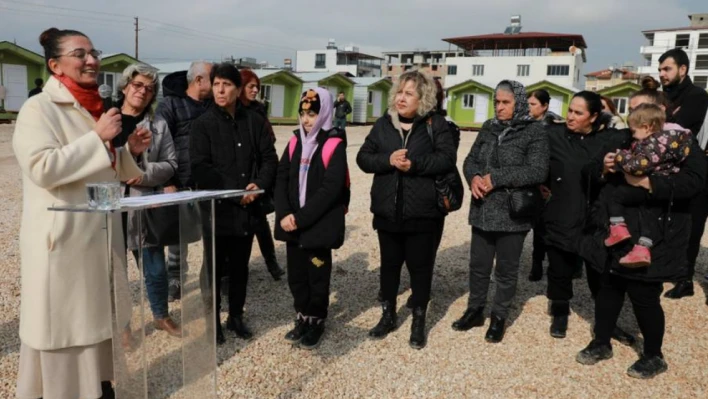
(91, 101)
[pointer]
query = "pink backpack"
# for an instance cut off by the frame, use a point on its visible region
(329, 146)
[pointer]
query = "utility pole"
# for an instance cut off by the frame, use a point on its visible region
(136, 37)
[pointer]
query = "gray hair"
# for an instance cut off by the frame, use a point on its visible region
(196, 68)
(424, 85)
(134, 70)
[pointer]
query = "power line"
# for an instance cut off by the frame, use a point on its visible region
(83, 18)
(25, 3)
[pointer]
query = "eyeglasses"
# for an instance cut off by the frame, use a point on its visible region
(137, 86)
(81, 54)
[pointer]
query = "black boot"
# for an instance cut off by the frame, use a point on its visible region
(236, 324)
(296, 334)
(536, 273)
(274, 268)
(379, 296)
(560, 311)
(473, 317)
(387, 323)
(220, 339)
(497, 326)
(680, 290)
(107, 391)
(623, 337)
(418, 339)
(648, 367)
(594, 353)
(315, 329)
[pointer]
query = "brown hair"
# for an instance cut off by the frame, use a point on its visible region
(247, 76)
(647, 114)
(610, 105)
(51, 40)
(650, 90)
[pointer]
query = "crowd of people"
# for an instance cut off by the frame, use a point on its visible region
(626, 199)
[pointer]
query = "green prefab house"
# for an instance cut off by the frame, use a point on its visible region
(370, 98)
(620, 95)
(334, 82)
(19, 68)
(112, 66)
(560, 96)
(470, 103)
(281, 90)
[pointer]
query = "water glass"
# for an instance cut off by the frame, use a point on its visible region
(103, 196)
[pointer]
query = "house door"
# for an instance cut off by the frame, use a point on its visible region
(376, 104)
(481, 108)
(277, 101)
(556, 105)
(333, 90)
(14, 78)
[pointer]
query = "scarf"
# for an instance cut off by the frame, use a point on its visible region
(309, 140)
(521, 116)
(91, 101)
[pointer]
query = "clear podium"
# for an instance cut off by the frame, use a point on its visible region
(148, 363)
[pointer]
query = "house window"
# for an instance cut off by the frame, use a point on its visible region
(371, 97)
(682, 40)
(265, 93)
(434, 67)
(701, 81)
(523, 70)
(702, 61)
(452, 69)
(390, 68)
(621, 105)
(703, 40)
(477, 70)
(468, 101)
(109, 79)
(320, 60)
(558, 70)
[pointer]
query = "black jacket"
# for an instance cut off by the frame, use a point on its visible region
(689, 103)
(320, 223)
(179, 110)
(398, 197)
(260, 109)
(342, 109)
(565, 212)
(667, 212)
(521, 160)
(223, 157)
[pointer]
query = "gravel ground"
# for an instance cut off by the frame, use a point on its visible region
(528, 363)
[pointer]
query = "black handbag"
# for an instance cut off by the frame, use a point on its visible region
(449, 187)
(524, 202)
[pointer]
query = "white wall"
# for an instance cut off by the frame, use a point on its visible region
(305, 62)
(497, 69)
(664, 41)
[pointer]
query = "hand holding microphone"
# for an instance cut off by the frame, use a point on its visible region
(109, 124)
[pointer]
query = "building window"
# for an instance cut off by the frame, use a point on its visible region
(371, 97)
(390, 68)
(558, 70)
(703, 40)
(265, 93)
(320, 61)
(523, 70)
(701, 81)
(468, 101)
(107, 78)
(702, 61)
(408, 67)
(477, 70)
(621, 105)
(682, 40)
(434, 67)
(452, 69)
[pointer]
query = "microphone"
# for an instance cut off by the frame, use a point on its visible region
(106, 93)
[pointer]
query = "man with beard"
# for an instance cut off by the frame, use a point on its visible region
(688, 109)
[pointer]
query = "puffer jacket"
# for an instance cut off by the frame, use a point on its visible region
(519, 159)
(398, 197)
(178, 110)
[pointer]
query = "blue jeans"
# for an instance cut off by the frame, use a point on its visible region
(340, 123)
(155, 280)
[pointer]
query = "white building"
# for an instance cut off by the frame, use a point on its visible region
(692, 39)
(332, 59)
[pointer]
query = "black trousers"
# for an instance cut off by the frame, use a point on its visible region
(699, 212)
(646, 301)
(309, 276)
(626, 195)
(539, 246)
(561, 267)
(418, 251)
(232, 256)
(265, 241)
(507, 248)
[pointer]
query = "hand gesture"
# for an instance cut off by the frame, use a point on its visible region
(288, 223)
(609, 163)
(477, 186)
(247, 199)
(139, 140)
(109, 125)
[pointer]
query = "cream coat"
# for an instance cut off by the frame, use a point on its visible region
(65, 276)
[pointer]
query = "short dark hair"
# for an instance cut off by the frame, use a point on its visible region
(541, 95)
(51, 40)
(678, 55)
(226, 70)
(592, 100)
(341, 92)
(38, 82)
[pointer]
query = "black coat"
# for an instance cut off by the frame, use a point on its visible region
(223, 158)
(398, 197)
(565, 212)
(320, 223)
(667, 212)
(179, 111)
(689, 103)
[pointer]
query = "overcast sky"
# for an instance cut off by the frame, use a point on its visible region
(273, 30)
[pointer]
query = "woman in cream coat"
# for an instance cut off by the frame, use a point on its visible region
(62, 142)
